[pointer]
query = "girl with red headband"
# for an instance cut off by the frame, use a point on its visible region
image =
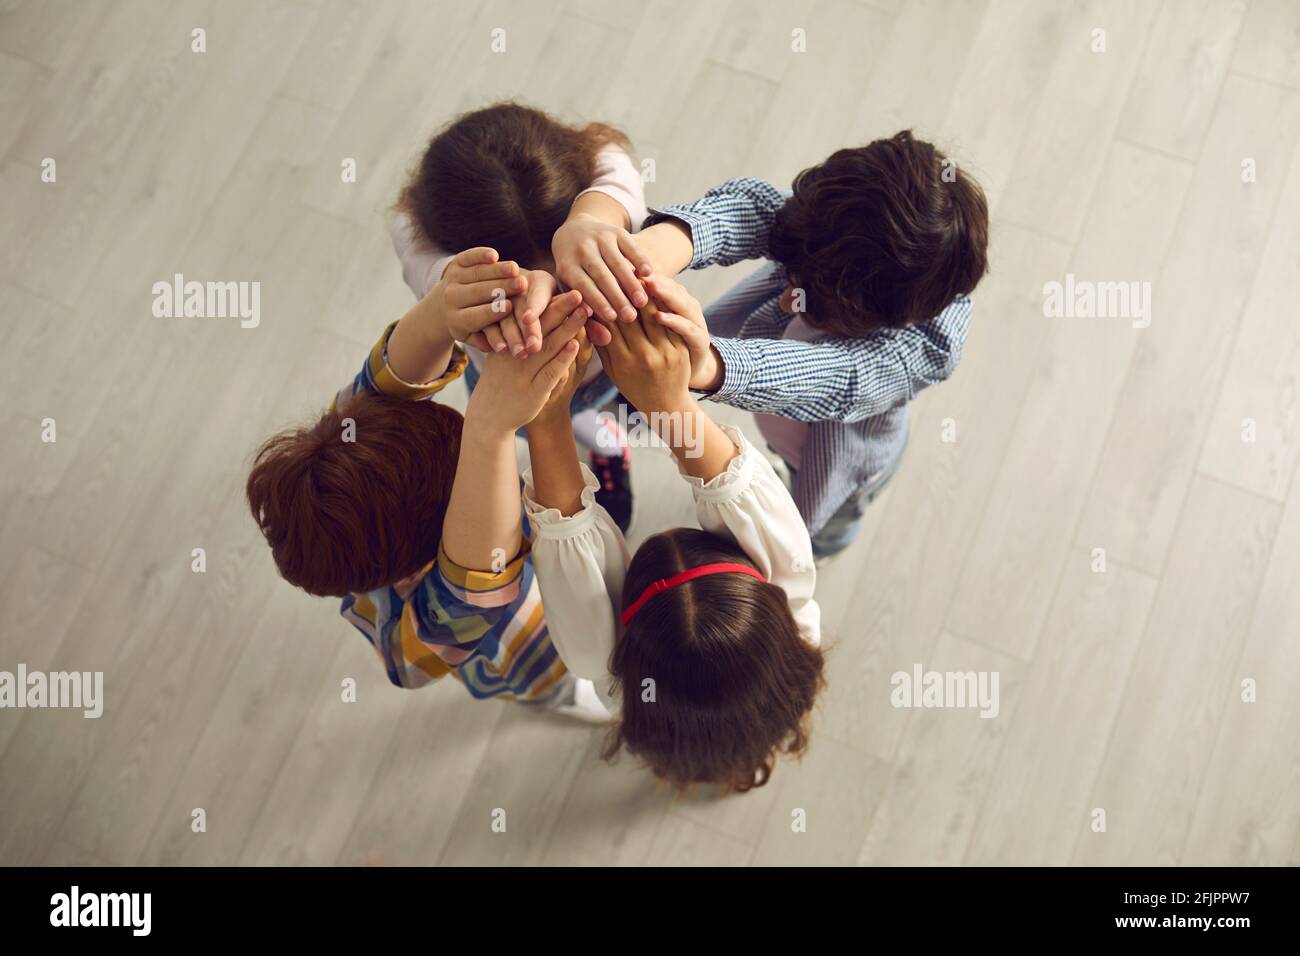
(706, 642)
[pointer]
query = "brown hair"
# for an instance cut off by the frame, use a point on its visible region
(350, 516)
(878, 238)
(503, 177)
(734, 682)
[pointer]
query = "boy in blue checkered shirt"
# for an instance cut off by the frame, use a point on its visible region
(863, 302)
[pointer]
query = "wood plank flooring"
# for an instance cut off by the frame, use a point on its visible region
(1170, 450)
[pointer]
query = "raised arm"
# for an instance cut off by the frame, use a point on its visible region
(729, 223)
(651, 365)
(594, 250)
(844, 380)
(416, 356)
(481, 530)
(737, 494)
(516, 299)
(578, 551)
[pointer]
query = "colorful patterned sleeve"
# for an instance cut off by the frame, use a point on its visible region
(391, 627)
(484, 589)
(427, 628)
(377, 376)
(514, 658)
(485, 628)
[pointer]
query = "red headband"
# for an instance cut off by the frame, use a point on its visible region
(681, 577)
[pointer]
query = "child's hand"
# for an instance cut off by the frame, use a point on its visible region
(602, 261)
(555, 413)
(648, 363)
(474, 293)
(520, 331)
(680, 311)
(512, 391)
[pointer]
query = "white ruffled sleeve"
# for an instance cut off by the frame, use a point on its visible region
(619, 179)
(580, 562)
(749, 503)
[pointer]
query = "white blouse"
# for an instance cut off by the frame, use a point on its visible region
(581, 560)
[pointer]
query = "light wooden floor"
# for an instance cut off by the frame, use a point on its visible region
(1120, 690)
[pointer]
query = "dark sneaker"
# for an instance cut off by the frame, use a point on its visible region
(615, 492)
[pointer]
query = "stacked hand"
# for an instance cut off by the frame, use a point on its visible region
(650, 364)
(477, 298)
(556, 410)
(674, 316)
(679, 311)
(604, 263)
(511, 392)
(497, 307)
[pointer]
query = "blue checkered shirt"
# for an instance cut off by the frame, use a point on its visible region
(852, 392)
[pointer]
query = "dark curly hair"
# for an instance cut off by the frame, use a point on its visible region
(882, 236)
